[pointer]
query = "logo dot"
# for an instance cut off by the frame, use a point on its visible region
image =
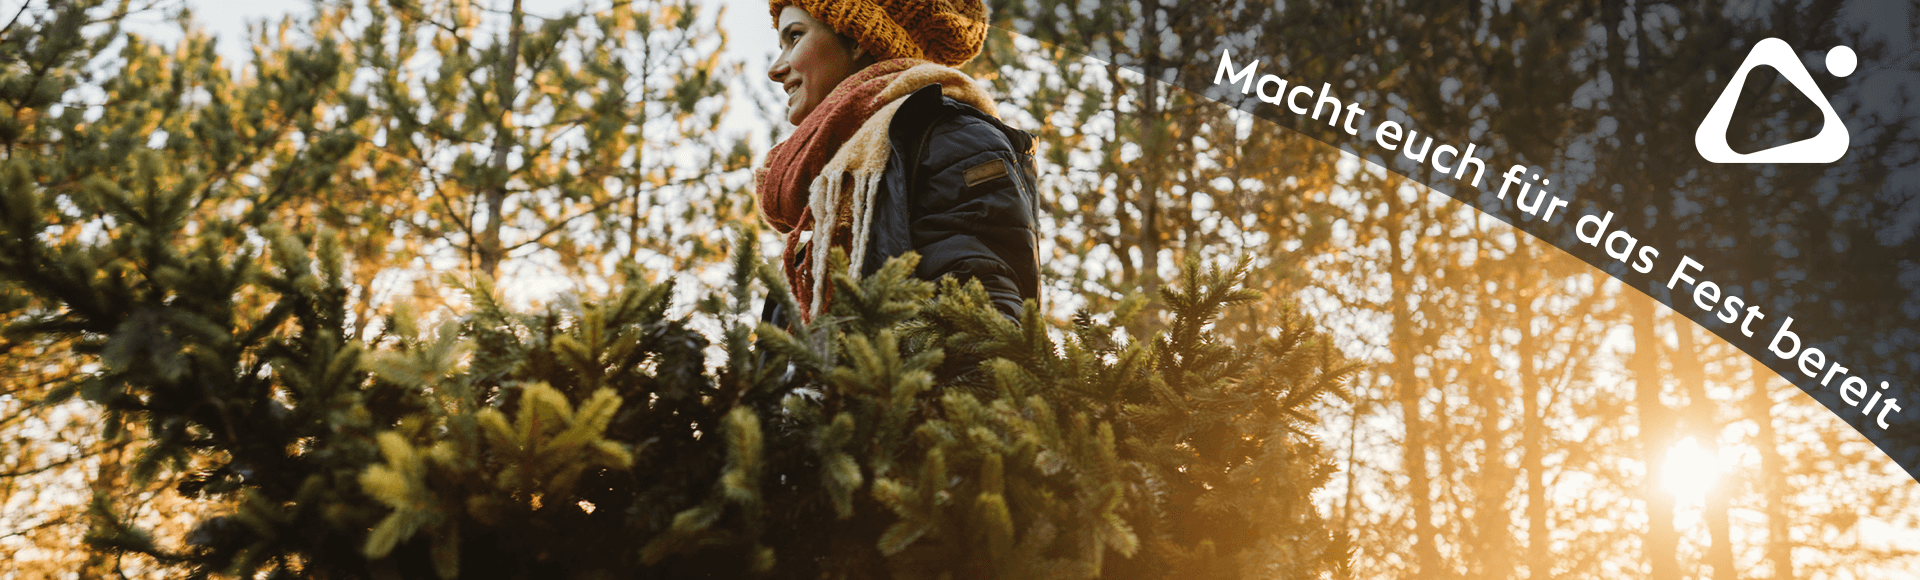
(1841, 60)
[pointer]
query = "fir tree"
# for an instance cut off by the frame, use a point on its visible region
(202, 247)
(591, 440)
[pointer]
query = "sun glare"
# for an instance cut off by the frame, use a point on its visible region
(1689, 471)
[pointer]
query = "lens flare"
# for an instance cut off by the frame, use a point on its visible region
(1689, 471)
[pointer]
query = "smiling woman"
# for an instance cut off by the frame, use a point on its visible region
(895, 151)
(813, 60)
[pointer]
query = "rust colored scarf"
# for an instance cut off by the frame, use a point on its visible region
(805, 176)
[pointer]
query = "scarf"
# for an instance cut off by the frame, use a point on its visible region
(832, 164)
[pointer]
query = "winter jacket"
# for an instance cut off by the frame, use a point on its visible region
(959, 190)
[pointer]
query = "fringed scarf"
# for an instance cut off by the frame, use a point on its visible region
(807, 175)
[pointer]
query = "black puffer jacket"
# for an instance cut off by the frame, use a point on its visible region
(958, 189)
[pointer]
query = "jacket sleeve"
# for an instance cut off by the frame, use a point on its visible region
(975, 212)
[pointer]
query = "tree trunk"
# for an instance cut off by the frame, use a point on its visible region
(1656, 435)
(1151, 144)
(1774, 485)
(1414, 447)
(1533, 428)
(1701, 423)
(1495, 480)
(490, 248)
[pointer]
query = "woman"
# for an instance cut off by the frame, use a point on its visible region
(899, 151)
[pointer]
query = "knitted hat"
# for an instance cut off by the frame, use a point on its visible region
(948, 32)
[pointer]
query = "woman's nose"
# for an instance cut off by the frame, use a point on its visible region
(778, 72)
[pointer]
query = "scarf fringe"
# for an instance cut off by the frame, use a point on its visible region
(863, 158)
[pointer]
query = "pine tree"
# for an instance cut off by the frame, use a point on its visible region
(200, 249)
(623, 455)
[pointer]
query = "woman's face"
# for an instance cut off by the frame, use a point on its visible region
(813, 60)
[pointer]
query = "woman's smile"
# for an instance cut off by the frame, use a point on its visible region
(813, 60)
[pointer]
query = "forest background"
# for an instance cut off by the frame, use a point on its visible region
(1518, 415)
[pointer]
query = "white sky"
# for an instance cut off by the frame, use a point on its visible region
(749, 30)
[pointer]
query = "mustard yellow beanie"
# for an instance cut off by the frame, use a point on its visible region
(948, 32)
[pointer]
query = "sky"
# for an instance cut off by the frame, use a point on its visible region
(749, 30)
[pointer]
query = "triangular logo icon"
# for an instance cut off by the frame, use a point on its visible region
(1826, 147)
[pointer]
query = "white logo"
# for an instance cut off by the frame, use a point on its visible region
(1828, 146)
